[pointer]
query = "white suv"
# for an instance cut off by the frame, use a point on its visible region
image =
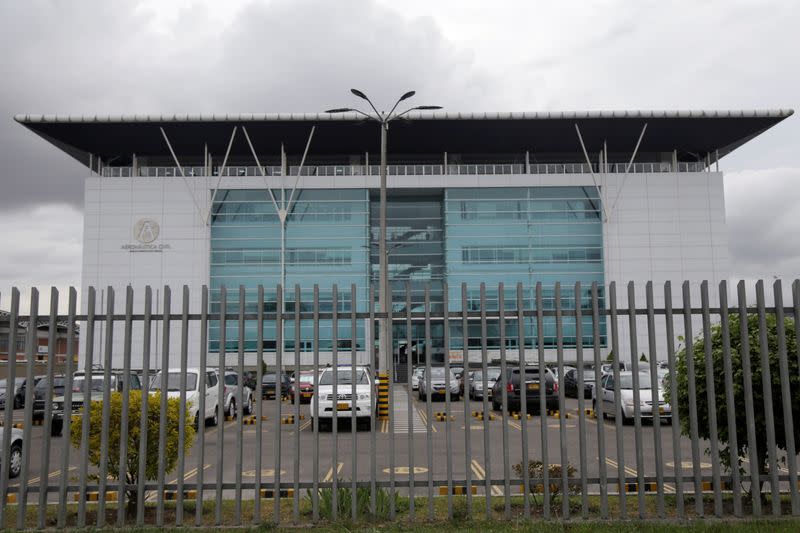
(325, 407)
(192, 393)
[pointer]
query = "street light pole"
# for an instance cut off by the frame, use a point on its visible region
(384, 293)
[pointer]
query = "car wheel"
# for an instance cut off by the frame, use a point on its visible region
(57, 426)
(455, 398)
(232, 410)
(495, 405)
(197, 421)
(15, 460)
(215, 418)
(251, 406)
(18, 402)
(420, 394)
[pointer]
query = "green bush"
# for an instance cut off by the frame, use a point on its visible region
(170, 453)
(723, 436)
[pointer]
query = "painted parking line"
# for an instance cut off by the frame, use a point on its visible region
(329, 476)
(480, 474)
(424, 418)
(630, 471)
(37, 479)
(151, 497)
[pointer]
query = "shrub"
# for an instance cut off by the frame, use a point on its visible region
(344, 494)
(732, 458)
(170, 453)
(536, 471)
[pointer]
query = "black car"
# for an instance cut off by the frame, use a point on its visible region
(533, 384)
(46, 389)
(571, 386)
(268, 385)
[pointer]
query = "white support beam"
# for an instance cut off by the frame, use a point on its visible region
(628, 167)
(261, 169)
(183, 176)
(221, 172)
(300, 170)
(591, 172)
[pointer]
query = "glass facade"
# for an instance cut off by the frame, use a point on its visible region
(457, 235)
(326, 240)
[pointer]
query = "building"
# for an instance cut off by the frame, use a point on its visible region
(473, 198)
(41, 351)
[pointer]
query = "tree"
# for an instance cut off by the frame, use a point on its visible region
(170, 453)
(643, 358)
(723, 435)
(610, 356)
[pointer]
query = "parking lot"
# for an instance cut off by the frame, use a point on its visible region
(421, 444)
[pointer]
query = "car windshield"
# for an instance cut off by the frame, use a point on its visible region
(491, 373)
(96, 386)
(44, 383)
(306, 378)
(174, 381)
(268, 378)
(588, 375)
(231, 379)
(344, 377)
(626, 381)
(437, 372)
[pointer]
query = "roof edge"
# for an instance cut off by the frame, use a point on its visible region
(345, 117)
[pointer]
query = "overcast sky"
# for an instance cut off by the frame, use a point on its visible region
(156, 56)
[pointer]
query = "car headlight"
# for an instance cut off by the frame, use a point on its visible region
(58, 406)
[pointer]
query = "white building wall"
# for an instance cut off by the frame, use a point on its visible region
(660, 227)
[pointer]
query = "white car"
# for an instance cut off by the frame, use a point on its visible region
(438, 383)
(325, 407)
(606, 395)
(192, 393)
(476, 382)
(14, 456)
(231, 391)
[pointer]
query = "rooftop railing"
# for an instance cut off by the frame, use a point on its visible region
(407, 170)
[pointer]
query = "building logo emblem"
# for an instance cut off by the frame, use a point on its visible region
(146, 230)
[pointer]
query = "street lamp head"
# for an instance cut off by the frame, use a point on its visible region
(359, 94)
(339, 110)
(409, 94)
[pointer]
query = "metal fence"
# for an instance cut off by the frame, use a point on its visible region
(426, 461)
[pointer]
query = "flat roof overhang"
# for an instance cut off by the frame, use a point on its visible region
(694, 134)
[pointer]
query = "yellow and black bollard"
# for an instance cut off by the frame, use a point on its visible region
(383, 396)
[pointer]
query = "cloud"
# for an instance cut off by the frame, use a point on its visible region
(95, 58)
(763, 223)
(42, 247)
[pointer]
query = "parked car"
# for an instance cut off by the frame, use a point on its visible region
(560, 379)
(17, 393)
(571, 386)
(97, 386)
(192, 393)
(532, 384)
(231, 393)
(438, 384)
(606, 396)
(305, 384)
(415, 377)
(14, 456)
(325, 407)
(268, 387)
(46, 389)
(476, 382)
